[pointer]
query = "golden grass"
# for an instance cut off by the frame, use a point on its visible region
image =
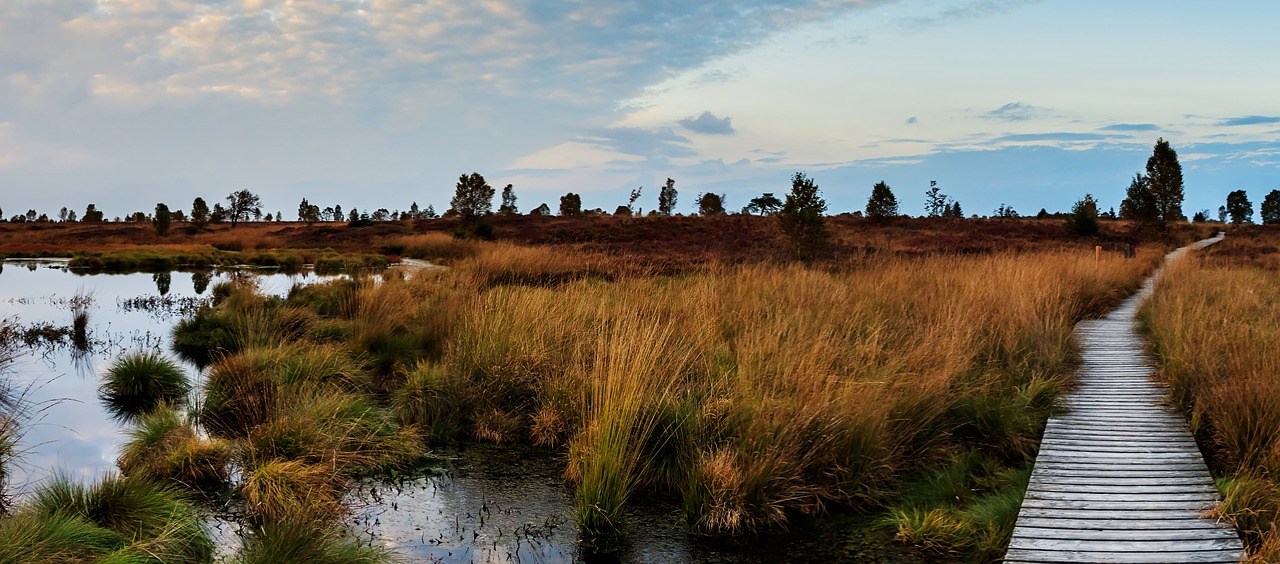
(1214, 323)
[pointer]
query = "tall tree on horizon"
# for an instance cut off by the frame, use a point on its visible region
(1239, 207)
(882, 204)
(1271, 208)
(1139, 203)
(1164, 181)
(161, 220)
(472, 197)
(667, 198)
(508, 206)
(802, 217)
(241, 205)
(199, 213)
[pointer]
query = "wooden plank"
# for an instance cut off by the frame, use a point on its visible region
(1108, 524)
(1017, 556)
(1187, 515)
(1125, 534)
(1097, 545)
(1191, 479)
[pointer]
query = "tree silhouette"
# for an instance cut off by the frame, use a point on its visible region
(1083, 219)
(308, 212)
(1164, 181)
(1271, 208)
(766, 204)
(508, 206)
(161, 220)
(710, 204)
(199, 213)
(882, 204)
(241, 205)
(1139, 203)
(801, 217)
(935, 202)
(91, 214)
(472, 198)
(570, 204)
(1239, 207)
(667, 198)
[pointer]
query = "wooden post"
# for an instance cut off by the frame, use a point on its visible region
(1097, 254)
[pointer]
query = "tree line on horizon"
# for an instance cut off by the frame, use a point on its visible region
(1154, 198)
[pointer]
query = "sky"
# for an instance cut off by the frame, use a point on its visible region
(380, 103)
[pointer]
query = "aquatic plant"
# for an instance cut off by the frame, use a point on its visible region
(290, 540)
(138, 382)
(163, 446)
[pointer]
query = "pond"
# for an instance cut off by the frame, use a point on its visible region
(485, 503)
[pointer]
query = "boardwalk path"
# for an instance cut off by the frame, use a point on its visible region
(1119, 477)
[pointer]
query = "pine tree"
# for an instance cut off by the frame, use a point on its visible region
(667, 198)
(1271, 208)
(508, 206)
(882, 204)
(802, 219)
(1164, 181)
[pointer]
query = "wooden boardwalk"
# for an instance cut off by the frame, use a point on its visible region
(1119, 477)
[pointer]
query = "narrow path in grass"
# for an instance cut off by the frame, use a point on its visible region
(1119, 477)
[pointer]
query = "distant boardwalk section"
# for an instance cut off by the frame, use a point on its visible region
(1119, 477)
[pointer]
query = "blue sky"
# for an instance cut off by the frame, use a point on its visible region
(378, 103)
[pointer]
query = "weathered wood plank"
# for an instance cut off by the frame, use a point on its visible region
(1124, 534)
(1098, 545)
(1108, 524)
(1018, 556)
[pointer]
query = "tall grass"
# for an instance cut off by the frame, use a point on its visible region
(117, 519)
(1214, 324)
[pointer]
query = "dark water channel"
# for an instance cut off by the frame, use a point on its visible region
(485, 504)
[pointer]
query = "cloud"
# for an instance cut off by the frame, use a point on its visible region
(1015, 111)
(648, 143)
(1248, 120)
(1054, 137)
(708, 124)
(403, 53)
(1131, 127)
(912, 120)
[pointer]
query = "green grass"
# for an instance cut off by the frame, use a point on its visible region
(117, 519)
(139, 382)
(288, 541)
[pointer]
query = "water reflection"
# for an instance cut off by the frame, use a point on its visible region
(71, 329)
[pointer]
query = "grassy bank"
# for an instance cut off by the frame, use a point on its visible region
(914, 387)
(1214, 322)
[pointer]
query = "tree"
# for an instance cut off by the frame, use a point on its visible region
(1239, 207)
(308, 212)
(1201, 216)
(337, 213)
(1083, 219)
(1222, 214)
(766, 204)
(935, 202)
(508, 206)
(241, 205)
(953, 211)
(802, 219)
(1271, 208)
(631, 201)
(161, 220)
(1139, 204)
(91, 214)
(472, 198)
(414, 212)
(199, 213)
(882, 204)
(622, 211)
(218, 215)
(667, 198)
(570, 204)
(710, 204)
(1005, 212)
(1164, 181)
(542, 209)
(430, 212)
(62, 214)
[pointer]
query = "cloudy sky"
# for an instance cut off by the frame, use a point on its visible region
(378, 103)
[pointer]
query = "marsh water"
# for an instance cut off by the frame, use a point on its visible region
(482, 504)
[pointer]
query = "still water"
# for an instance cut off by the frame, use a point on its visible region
(485, 504)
